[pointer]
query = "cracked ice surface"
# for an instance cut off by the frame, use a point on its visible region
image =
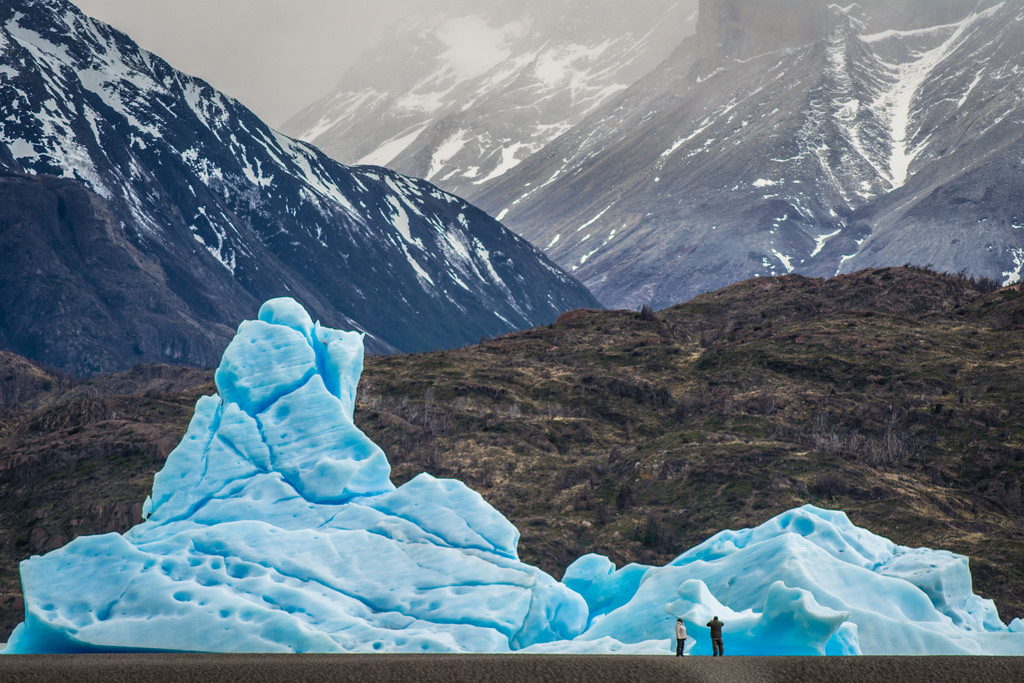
(805, 582)
(274, 527)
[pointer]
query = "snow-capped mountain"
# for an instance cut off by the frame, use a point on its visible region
(226, 212)
(792, 136)
(462, 91)
(780, 136)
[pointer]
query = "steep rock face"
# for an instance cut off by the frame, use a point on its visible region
(462, 92)
(232, 212)
(884, 140)
(80, 296)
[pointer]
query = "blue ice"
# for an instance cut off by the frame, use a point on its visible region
(274, 527)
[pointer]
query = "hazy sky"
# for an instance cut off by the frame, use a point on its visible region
(276, 56)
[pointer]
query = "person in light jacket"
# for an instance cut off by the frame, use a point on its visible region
(680, 636)
(716, 636)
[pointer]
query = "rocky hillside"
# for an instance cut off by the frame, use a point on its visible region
(893, 394)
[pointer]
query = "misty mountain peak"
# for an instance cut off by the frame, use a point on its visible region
(809, 137)
(740, 29)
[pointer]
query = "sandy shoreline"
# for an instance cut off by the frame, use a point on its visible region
(457, 668)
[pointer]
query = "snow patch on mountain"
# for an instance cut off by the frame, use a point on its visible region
(1013, 276)
(510, 158)
(894, 104)
(473, 46)
(446, 151)
(183, 165)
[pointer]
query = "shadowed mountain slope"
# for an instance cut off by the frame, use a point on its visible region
(212, 212)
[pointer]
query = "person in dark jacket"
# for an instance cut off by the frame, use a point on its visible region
(716, 636)
(680, 636)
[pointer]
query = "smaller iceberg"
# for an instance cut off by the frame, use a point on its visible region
(807, 582)
(274, 527)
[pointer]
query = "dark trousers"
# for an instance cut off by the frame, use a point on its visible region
(716, 647)
(679, 646)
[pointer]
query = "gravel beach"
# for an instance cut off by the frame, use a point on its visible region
(113, 668)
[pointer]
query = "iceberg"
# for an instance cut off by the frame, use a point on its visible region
(274, 527)
(807, 582)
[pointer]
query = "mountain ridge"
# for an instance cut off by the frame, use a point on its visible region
(235, 213)
(819, 158)
(462, 92)
(807, 137)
